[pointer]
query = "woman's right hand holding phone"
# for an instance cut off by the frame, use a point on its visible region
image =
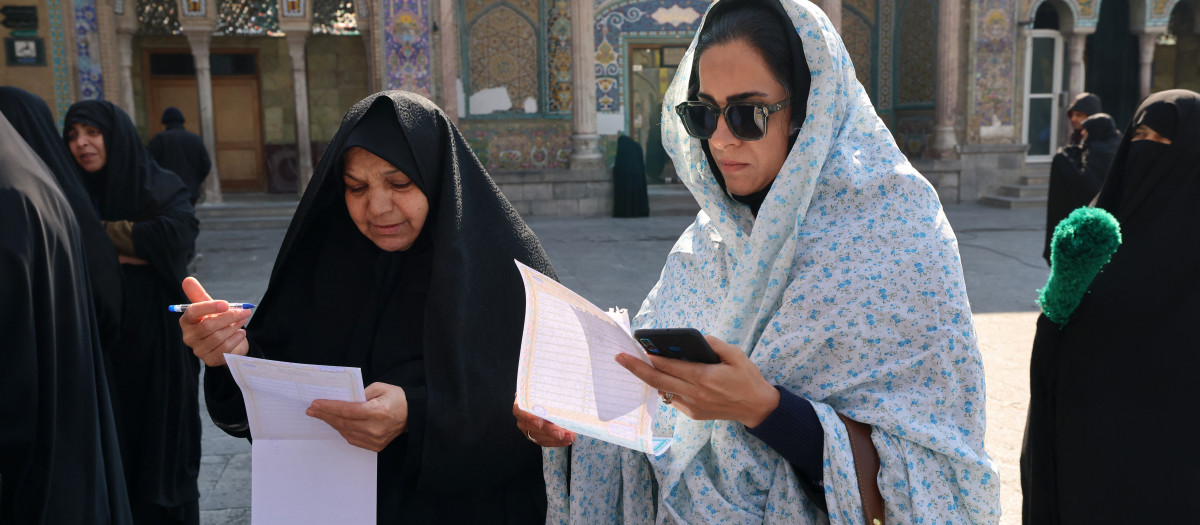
(210, 328)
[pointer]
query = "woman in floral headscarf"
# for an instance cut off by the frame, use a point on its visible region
(825, 274)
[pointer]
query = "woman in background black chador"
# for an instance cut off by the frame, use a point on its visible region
(1111, 435)
(1076, 179)
(399, 260)
(147, 215)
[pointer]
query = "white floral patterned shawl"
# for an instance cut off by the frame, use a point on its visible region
(847, 289)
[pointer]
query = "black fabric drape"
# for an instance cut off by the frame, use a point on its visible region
(59, 457)
(31, 117)
(155, 377)
(1077, 172)
(442, 319)
(1111, 430)
(629, 180)
(182, 152)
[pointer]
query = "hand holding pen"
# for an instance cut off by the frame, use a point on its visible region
(212, 328)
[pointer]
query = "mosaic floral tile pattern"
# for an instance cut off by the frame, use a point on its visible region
(917, 53)
(334, 17)
(558, 57)
(158, 17)
(58, 45)
(520, 145)
(406, 46)
(503, 53)
(248, 17)
(641, 18)
(87, 51)
(994, 48)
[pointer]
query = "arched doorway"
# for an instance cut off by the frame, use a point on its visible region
(1044, 82)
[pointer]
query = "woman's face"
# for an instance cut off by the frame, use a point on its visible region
(737, 72)
(87, 146)
(1143, 132)
(384, 203)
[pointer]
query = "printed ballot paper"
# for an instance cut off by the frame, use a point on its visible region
(568, 374)
(302, 470)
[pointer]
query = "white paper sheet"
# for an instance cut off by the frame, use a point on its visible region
(302, 470)
(568, 373)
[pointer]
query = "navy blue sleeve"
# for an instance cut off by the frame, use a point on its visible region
(794, 431)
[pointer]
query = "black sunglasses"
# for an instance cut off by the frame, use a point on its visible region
(746, 120)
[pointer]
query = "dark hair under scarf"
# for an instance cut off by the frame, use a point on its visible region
(766, 27)
(132, 187)
(1128, 354)
(442, 319)
(31, 117)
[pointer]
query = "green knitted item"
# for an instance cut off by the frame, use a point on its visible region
(1083, 243)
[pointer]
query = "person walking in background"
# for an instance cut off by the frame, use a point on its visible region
(182, 152)
(59, 457)
(155, 387)
(1084, 106)
(1077, 183)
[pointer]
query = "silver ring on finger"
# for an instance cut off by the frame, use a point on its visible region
(667, 397)
(530, 438)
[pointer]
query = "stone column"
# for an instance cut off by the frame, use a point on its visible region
(1146, 57)
(200, 40)
(946, 97)
(449, 52)
(585, 142)
(125, 52)
(1076, 44)
(296, 41)
(833, 9)
(365, 11)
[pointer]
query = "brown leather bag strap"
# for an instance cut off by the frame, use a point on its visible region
(866, 467)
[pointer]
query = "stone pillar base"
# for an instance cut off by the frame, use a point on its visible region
(585, 152)
(944, 141)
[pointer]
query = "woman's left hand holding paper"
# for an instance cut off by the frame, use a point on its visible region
(372, 424)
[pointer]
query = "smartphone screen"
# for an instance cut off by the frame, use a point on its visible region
(686, 344)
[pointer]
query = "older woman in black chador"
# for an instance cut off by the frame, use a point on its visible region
(399, 260)
(147, 215)
(1111, 435)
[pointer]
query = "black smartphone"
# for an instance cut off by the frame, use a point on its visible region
(687, 344)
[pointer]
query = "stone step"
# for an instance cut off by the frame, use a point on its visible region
(1025, 190)
(1035, 180)
(246, 223)
(248, 211)
(1001, 201)
(671, 200)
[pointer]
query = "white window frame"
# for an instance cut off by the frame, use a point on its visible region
(1054, 96)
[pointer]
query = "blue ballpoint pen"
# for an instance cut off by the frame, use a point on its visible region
(232, 306)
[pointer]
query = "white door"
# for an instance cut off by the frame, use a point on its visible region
(1043, 80)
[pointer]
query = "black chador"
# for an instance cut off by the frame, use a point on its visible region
(59, 457)
(1111, 435)
(155, 377)
(442, 319)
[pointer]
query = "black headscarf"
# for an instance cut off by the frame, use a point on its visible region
(32, 119)
(801, 79)
(59, 457)
(1086, 103)
(1119, 375)
(132, 187)
(442, 319)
